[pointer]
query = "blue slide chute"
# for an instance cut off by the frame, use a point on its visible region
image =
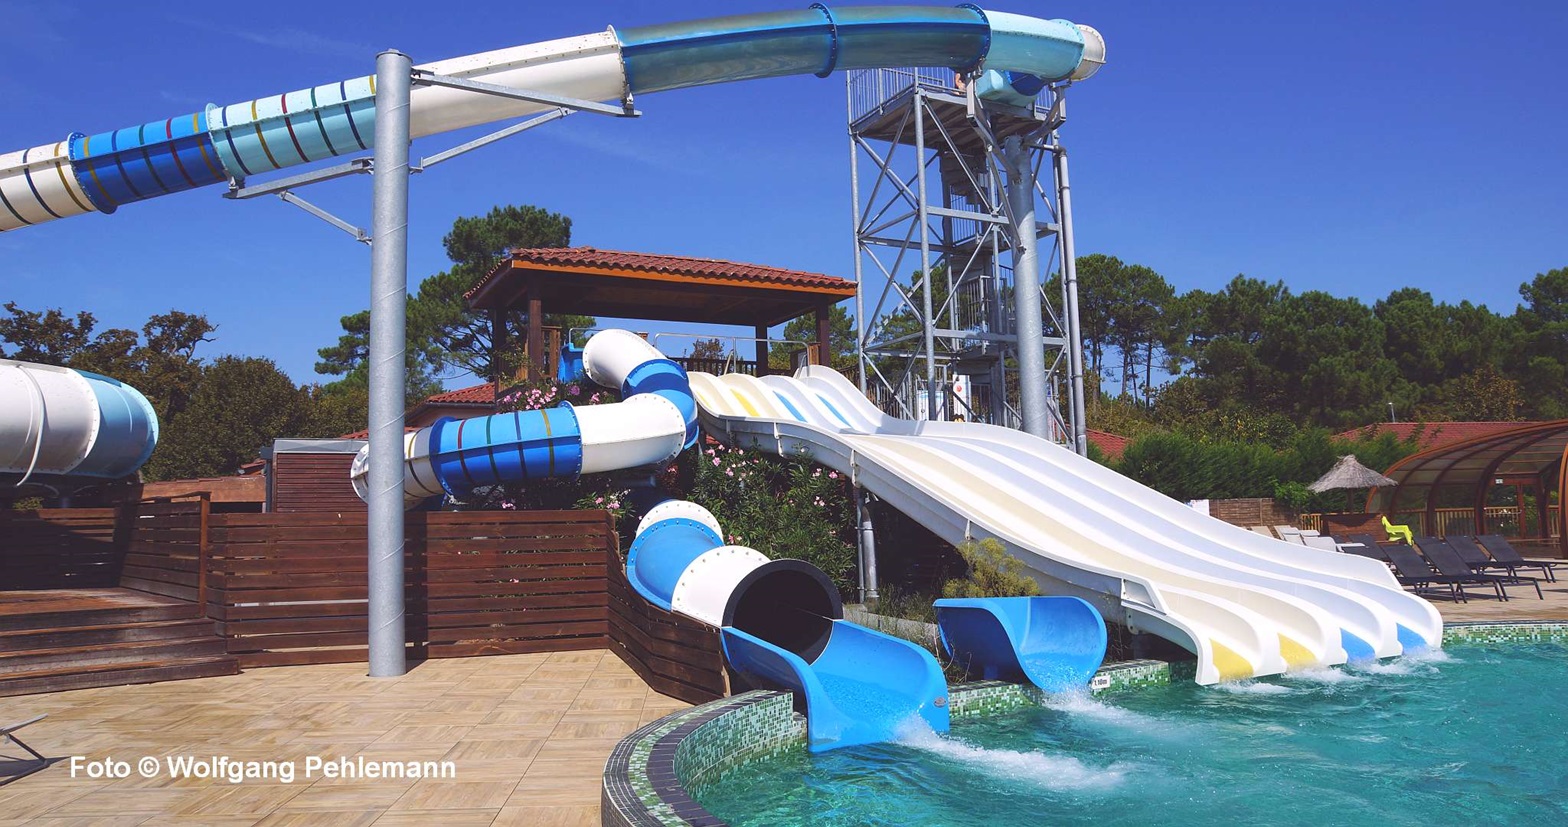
(861, 689)
(1055, 643)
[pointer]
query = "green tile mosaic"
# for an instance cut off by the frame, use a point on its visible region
(1485, 632)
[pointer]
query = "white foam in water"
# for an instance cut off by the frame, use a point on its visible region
(1050, 771)
(1420, 661)
(1253, 688)
(1324, 675)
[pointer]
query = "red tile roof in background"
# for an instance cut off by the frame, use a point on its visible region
(475, 395)
(1111, 445)
(592, 258)
(1433, 434)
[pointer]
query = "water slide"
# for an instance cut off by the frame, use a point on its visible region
(1055, 643)
(1011, 54)
(1244, 604)
(781, 620)
(64, 429)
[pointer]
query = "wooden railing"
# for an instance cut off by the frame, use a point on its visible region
(717, 367)
(1503, 519)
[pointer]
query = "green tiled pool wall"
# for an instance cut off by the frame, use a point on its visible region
(754, 732)
(1488, 632)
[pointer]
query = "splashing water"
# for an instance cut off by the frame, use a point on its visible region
(1399, 742)
(1054, 772)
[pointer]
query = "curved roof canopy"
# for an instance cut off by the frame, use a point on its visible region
(1533, 451)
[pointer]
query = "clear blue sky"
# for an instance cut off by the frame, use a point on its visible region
(1349, 147)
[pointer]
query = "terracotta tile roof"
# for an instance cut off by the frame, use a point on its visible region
(475, 395)
(591, 258)
(1433, 434)
(1111, 445)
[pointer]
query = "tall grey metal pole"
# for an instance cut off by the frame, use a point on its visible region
(1064, 205)
(854, 200)
(925, 254)
(1026, 288)
(388, 327)
(868, 547)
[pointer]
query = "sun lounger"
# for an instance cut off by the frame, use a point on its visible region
(1506, 555)
(1413, 572)
(1363, 544)
(1262, 529)
(1447, 561)
(8, 735)
(1324, 543)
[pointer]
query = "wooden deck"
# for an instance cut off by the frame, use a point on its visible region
(528, 734)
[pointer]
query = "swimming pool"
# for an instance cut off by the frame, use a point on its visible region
(1472, 735)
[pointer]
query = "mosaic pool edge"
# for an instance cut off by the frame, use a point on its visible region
(646, 776)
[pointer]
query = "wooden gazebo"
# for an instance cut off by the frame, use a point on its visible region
(593, 282)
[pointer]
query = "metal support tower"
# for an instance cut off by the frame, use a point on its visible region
(953, 194)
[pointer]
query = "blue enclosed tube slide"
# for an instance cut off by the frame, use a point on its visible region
(63, 429)
(1055, 643)
(782, 621)
(1012, 56)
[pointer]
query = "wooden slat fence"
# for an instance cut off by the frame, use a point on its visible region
(164, 548)
(675, 655)
(60, 548)
(290, 588)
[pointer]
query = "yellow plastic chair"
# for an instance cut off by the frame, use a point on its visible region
(1401, 533)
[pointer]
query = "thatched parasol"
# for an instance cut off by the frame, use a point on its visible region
(1349, 474)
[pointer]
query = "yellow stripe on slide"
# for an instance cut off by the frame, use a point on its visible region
(744, 403)
(1296, 655)
(1231, 666)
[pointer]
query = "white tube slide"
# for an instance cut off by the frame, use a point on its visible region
(65, 428)
(655, 420)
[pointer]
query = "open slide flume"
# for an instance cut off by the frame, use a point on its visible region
(1055, 643)
(101, 172)
(1244, 605)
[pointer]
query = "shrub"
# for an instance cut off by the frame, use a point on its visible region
(992, 573)
(782, 507)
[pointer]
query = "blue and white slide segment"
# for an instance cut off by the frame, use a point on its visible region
(782, 623)
(1055, 643)
(654, 421)
(64, 429)
(1245, 605)
(781, 619)
(1013, 55)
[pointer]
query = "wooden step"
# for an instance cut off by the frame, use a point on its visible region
(117, 674)
(23, 639)
(23, 663)
(99, 617)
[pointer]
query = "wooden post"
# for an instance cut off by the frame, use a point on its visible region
(203, 550)
(762, 350)
(498, 343)
(536, 357)
(824, 333)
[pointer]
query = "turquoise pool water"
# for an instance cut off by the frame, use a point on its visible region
(1471, 736)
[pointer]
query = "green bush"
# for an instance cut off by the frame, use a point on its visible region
(992, 573)
(782, 507)
(1188, 468)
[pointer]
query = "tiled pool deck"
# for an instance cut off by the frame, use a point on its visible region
(528, 736)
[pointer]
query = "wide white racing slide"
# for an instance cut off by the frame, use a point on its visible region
(1246, 605)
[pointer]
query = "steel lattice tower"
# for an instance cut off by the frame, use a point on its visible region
(945, 183)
